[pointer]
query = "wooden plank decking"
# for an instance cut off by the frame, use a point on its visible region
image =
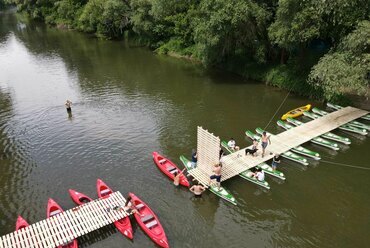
(68, 225)
(237, 162)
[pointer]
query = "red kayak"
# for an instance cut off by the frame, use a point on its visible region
(169, 168)
(21, 223)
(123, 225)
(78, 197)
(54, 209)
(149, 222)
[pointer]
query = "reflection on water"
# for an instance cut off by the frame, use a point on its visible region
(128, 102)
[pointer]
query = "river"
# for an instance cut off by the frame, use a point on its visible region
(128, 102)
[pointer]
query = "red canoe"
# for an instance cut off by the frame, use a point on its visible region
(21, 223)
(169, 168)
(78, 197)
(123, 225)
(149, 222)
(53, 209)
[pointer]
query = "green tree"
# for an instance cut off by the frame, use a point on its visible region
(223, 29)
(106, 18)
(345, 70)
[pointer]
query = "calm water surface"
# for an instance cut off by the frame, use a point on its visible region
(128, 102)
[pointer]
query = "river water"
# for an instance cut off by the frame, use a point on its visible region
(128, 102)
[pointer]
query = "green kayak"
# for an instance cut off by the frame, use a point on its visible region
(318, 140)
(351, 123)
(311, 115)
(265, 167)
(268, 170)
(299, 149)
(328, 135)
(248, 175)
(223, 193)
(337, 107)
(288, 155)
(224, 145)
(345, 127)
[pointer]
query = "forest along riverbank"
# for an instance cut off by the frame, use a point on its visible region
(128, 102)
(317, 50)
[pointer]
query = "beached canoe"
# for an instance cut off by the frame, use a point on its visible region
(351, 123)
(21, 223)
(344, 127)
(298, 149)
(78, 197)
(265, 167)
(288, 154)
(328, 135)
(223, 193)
(123, 225)
(53, 209)
(296, 112)
(149, 222)
(337, 107)
(169, 168)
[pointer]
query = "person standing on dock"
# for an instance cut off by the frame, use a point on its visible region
(217, 175)
(194, 158)
(265, 140)
(275, 161)
(197, 189)
(232, 145)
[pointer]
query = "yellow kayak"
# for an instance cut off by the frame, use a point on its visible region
(296, 112)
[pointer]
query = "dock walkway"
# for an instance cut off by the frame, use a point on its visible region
(237, 162)
(68, 225)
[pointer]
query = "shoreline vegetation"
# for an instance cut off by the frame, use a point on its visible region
(315, 48)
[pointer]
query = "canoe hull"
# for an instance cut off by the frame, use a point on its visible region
(156, 233)
(296, 112)
(52, 209)
(123, 225)
(79, 198)
(169, 164)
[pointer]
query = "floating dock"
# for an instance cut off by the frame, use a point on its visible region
(68, 225)
(208, 145)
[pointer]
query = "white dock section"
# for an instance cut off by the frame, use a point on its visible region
(237, 162)
(68, 225)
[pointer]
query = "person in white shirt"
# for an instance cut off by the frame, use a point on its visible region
(260, 175)
(232, 145)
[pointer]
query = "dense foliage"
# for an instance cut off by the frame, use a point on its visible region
(310, 46)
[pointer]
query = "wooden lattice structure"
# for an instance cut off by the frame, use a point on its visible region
(68, 225)
(237, 162)
(208, 150)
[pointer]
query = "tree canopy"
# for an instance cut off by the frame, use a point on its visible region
(324, 42)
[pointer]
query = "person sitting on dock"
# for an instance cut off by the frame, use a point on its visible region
(253, 150)
(197, 189)
(265, 140)
(260, 174)
(176, 179)
(232, 145)
(194, 158)
(217, 175)
(275, 161)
